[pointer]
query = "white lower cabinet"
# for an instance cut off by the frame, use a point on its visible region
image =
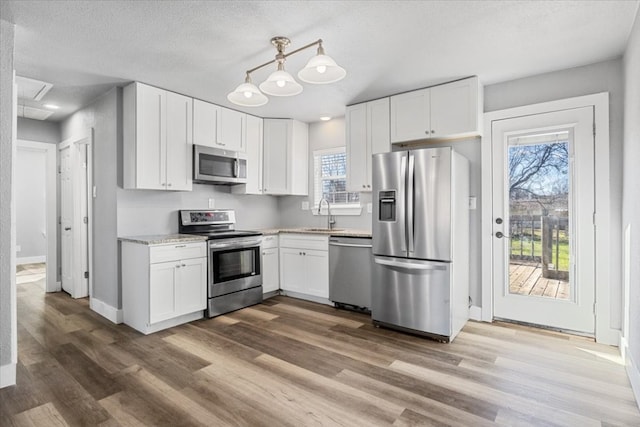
(270, 264)
(163, 285)
(304, 265)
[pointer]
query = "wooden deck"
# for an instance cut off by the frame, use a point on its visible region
(526, 279)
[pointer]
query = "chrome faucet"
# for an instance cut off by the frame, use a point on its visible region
(330, 219)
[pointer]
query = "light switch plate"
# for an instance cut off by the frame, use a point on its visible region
(369, 207)
(305, 205)
(212, 203)
(472, 203)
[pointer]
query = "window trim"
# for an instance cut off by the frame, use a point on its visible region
(339, 209)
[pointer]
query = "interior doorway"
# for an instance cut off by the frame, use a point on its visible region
(75, 214)
(36, 230)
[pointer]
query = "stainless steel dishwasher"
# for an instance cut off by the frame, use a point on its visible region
(350, 265)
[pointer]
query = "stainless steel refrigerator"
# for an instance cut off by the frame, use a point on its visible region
(421, 241)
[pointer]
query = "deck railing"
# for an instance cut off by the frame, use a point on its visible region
(543, 239)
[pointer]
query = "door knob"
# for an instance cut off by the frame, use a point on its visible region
(500, 235)
(498, 220)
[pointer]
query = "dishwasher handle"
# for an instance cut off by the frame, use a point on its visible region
(349, 245)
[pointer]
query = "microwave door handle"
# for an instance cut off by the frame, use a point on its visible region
(410, 203)
(236, 168)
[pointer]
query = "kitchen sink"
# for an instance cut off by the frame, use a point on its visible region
(321, 229)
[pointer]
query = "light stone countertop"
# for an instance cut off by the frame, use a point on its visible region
(338, 232)
(161, 239)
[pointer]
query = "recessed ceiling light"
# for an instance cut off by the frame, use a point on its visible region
(51, 106)
(325, 118)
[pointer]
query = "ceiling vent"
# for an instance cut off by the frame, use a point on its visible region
(32, 89)
(33, 113)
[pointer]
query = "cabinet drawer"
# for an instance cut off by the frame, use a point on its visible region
(269, 242)
(177, 251)
(304, 241)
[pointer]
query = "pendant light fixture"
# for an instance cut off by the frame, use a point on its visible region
(320, 69)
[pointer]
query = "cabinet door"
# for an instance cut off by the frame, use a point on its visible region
(317, 273)
(378, 136)
(357, 152)
(230, 129)
(205, 118)
(254, 155)
(292, 270)
(276, 156)
(298, 165)
(179, 124)
(191, 287)
(270, 270)
(162, 302)
(151, 139)
(454, 108)
(410, 116)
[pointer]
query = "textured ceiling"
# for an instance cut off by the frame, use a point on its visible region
(202, 48)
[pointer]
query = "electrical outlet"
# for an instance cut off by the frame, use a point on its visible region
(212, 203)
(472, 203)
(369, 207)
(305, 205)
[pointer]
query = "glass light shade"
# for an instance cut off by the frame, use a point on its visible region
(247, 95)
(321, 69)
(280, 83)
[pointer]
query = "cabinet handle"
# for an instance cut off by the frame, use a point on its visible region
(180, 246)
(433, 131)
(169, 185)
(184, 265)
(304, 253)
(368, 186)
(178, 266)
(364, 186)
(427, 132)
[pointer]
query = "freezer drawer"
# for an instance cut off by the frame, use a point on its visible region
(412, 294)
(350, 264)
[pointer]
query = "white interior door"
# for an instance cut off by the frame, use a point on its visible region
(74, 218)
(543, 219)
(66, 220)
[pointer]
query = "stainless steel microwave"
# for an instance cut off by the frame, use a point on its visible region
(216, 166)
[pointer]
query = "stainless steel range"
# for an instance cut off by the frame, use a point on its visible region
(235, 270)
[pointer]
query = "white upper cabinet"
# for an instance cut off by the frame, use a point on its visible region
(451, 110)
(367, 128)
(254, 133)
(218, 127)
(286, 157)
(410, 116)
(157, 140)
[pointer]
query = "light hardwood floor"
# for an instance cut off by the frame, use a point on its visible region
(293, 363)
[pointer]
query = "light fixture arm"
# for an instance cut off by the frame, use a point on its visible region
(281, 56)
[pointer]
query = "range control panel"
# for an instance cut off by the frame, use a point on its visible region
(217, 216)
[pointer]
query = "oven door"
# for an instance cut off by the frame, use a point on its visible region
(234, 265)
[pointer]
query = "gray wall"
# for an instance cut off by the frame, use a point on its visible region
(8, 335)
(322, 135)
(103, 115)
(38, 130)
(601, 77)
(31, 203)
(631, 205)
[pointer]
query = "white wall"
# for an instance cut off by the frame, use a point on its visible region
(631, 195)
(31, 203)
(38, 130)
(601, 77)
(105, 117)
(322, 135)
(8, 326)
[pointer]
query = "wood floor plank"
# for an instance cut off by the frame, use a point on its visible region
(288, 362)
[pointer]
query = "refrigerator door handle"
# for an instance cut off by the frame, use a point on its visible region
(410, 202)
(403, 173)
(409, 265)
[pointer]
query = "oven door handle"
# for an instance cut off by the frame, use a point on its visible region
(240, 244)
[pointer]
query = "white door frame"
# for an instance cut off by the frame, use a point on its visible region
(600, 101)
(51, 227)
(85, 138)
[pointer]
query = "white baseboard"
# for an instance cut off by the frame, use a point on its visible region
(105, 310)
(306, 297)
(7, 375)
(632, 371)
(475, 313)
(31, 260)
